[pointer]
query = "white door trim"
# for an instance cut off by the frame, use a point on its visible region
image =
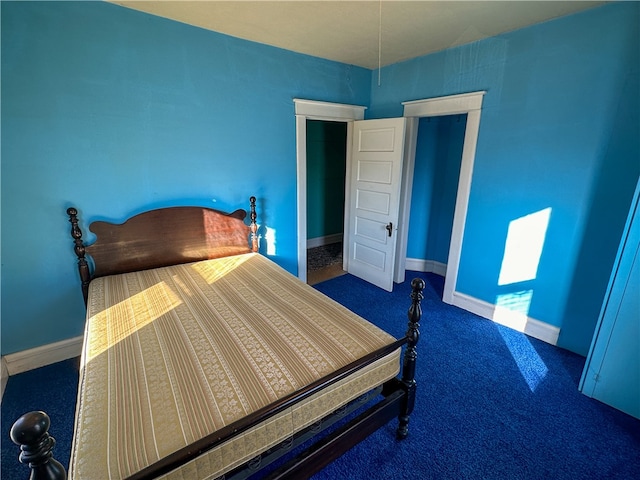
(334, 112)
(406, 189)
(470, 104)
(315, 110)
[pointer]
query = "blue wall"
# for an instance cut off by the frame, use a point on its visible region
(115, 111)
(435, 185)
(559, 130)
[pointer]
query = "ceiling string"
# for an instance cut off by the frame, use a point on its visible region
(379, 41)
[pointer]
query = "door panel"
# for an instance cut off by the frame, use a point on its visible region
(370, 229)
(377, 154)
(376, 172)
(377, 140)
(372, 257)
(374, 202)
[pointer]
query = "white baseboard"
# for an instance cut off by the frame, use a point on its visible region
(40, 356)
(509, 318)
(501, 315)
(429, 266)
(326, 240)
(4, 376)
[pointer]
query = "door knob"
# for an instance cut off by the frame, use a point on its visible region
(389, 228)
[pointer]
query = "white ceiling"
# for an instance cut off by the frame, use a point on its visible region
(352, 31)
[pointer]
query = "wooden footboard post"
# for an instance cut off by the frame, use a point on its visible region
(31, 432)
(83, 267)
(410, 356)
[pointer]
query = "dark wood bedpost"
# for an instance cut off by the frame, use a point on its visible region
(253, 225)
(83, 267)
(31, 432)
(410, 356)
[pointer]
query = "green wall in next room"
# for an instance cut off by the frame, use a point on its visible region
(326, 163)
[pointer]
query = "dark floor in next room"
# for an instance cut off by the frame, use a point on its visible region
(324, 262)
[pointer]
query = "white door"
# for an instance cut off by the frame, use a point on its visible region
(374, 199)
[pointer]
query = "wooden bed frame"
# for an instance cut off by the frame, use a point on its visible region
(177, 235)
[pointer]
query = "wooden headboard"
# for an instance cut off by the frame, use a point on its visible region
(162, 237)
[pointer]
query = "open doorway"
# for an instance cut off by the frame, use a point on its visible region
(314, 110)
(438, 160)
(470, 105)
(326, 174)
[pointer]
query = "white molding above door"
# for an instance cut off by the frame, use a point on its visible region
(450, 105)
(315, 110)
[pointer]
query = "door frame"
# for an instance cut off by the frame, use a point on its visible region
(466, 103)
(316, 110)
(471, 105)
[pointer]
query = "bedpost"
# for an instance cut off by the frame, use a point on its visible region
(410, 356)
(83, 267)
(253, 225)
(31, 432)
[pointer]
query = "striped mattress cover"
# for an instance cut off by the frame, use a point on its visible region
(173, 354)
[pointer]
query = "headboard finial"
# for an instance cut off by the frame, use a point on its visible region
(83, 267)
(253, 225)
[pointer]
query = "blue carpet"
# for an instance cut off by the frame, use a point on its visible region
(492, 403)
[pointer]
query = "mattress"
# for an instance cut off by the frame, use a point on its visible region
(174, 354)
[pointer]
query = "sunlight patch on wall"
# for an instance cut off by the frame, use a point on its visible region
(523, 247)
(522, 252)
(270, 238)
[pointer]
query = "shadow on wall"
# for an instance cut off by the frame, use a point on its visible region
(612, 193)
